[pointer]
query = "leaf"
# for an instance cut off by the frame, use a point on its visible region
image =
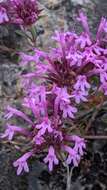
(95, 80)
(20, 33)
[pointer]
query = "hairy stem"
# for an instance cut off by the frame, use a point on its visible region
(69, 175)
(98, 108)
(84, 114)
(95, 137)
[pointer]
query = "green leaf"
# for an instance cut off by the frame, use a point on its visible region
(20, 33)
(95, 80)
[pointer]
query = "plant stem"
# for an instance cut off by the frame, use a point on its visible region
(69, 175)
(83, 114)
(96, 137)
(98, 108)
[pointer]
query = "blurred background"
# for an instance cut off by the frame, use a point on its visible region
(56, 15)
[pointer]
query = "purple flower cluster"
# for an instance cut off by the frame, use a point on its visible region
(22, 12)
(3, 15)
(46, 131)
(62, 80)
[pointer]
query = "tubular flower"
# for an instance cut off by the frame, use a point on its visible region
(82, 83)
(11, 130)
(3, 15)
(63, 78)
(51, 158)
(68, 110)
(21, 163)
(22, 12)
(73, 156)
(45, 125)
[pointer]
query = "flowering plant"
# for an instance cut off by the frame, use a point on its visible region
(61, 84)
(24, 13)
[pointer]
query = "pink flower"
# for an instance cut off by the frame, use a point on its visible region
(62, 96)
(36, 100)
(79, 96)
(56, 54)
(83, 19)
(103, 75)
(105, 27)
(21, 163)
(65, 39)
(23, 12)
(38, 139)
(35, 57)
(44, 126)
(35, 91)
(59, 36)
(102, 70)
(68, 110)
(39, 54)
(79, 144)
(82, 83)
(33, 104)
(101, 28)
(98, 50)
(75, 58)
(70, 39)
(25, 59)
(59, 81)
(3, 15)
(13, 111)
(103, 88)
(73, 156)
(62, 93)
(83, 41)
(11, 130)
(26, 101)
(42, 69)
(58, 135)
(51, 158)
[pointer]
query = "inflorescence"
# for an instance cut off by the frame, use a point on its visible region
(22, 12)
(61, 81)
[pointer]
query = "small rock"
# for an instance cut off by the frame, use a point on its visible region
(54, 4)
(79, 2)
